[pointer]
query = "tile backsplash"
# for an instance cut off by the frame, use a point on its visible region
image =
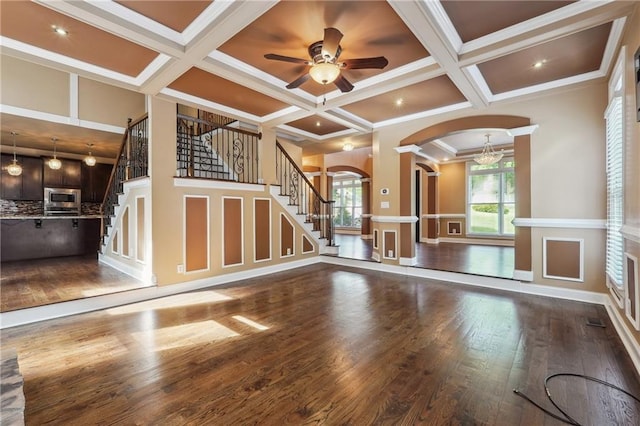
(10, 208)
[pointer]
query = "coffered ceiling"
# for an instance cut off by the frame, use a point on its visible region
(443, 55)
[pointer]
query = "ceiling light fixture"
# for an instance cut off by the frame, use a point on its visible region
(539, 64)
(347, 147)
(399, 101)
(488, 155)
(324, 72)
(14, 168)
(90, 160)
(59, 30)
(54, 163)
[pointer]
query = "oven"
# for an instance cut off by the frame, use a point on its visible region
(62, 201)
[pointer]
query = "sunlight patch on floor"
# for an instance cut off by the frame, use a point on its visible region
(249, 322)
(183, 335)
(175, 301)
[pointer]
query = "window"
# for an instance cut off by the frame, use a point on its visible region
(614, 116)
(347, 209)
(491, 198)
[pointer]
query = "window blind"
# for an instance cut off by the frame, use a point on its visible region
(615, 191)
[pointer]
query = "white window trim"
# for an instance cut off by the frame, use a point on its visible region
(469, 173)
(616, 94)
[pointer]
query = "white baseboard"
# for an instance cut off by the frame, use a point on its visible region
(367, 236)
(408, 261)
(523, 275)
(375, 256)
(137, 273)
(430, 240)
(482, 241)
(626, 335)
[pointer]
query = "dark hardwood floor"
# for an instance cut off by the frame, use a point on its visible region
(476, 259)
(29, 283)
(328, 345)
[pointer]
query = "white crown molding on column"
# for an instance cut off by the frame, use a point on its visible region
(631, 233)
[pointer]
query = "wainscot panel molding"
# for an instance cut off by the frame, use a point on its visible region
(484, 241)
(444, 216)
(560, 223)
(394, 219)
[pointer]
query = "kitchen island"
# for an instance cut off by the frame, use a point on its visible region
(38, 236)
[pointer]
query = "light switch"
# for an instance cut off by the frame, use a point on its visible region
(384, 204)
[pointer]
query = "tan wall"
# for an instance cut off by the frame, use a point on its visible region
(358, 158)
(452, 188)
(102, 103)
(168, 212)
(34, 87)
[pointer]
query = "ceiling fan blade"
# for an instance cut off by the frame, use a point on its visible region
(363, 63)
(297, 82)
(343, 84)
(331, 42)
(276, 57)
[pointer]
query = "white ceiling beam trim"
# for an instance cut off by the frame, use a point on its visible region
(233, 19)
(60, 119)
(444, 146)
(524, 130)
(51, 59)
(533, 24)
(244, 74)
(211, 13)
(510, 41)
(345, 121)
(420, 115)
(446, 26)
(353, 118)
(92, 14)
(313, 136)
(197, 102)
(477, 79)
(612, 44)
(549, 85)
(421, 21)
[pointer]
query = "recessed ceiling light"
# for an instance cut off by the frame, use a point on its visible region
(399, 101)
(59, 30)
(317, 124)
(539, 64)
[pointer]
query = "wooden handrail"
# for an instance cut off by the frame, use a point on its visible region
(301, 173)
(114, 168)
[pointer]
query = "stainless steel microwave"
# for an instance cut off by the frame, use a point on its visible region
(61, 201)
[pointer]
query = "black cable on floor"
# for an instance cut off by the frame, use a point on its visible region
(567, 418)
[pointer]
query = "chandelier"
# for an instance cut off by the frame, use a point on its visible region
(488, 155)
(14, 168)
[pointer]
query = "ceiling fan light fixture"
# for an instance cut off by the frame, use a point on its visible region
(324, 72)
(488, 156)
(14, 169)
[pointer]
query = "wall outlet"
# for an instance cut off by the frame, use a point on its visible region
(288, 251)
(389, 253)
(180, 269)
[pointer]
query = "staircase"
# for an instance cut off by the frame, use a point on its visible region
(132, 163)
(303, 201)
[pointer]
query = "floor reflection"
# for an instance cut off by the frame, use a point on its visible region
(486, 260)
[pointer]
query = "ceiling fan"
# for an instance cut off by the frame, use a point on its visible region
(324, 63)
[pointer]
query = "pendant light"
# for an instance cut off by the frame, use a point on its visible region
(14, 168)
(54, 163)
(90, 160)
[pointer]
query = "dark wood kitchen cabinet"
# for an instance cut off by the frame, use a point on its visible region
(27, 186)
(67, 176)
(94, 182)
